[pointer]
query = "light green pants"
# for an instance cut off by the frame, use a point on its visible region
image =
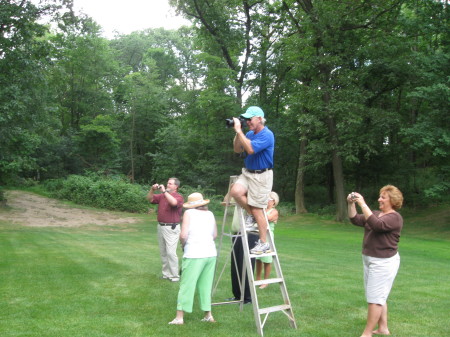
(197, 274)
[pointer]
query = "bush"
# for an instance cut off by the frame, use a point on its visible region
(109, 193)
(215, 200)
(116, 193)
(286, 208)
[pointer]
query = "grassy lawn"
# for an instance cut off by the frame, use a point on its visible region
(104, 281)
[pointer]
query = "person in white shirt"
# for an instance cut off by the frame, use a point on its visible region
(198, 232)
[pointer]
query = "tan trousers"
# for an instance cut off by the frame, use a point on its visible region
(168, 243)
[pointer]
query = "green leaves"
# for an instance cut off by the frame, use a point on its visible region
(98, 144)
(110, 193)
(356, 94)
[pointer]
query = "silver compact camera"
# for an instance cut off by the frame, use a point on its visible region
(353, 196)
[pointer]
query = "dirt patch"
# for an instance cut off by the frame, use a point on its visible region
(29, 209)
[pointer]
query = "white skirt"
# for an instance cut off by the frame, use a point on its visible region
(379, 275)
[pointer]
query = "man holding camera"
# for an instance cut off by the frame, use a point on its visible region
(251, 190)
(170, 206)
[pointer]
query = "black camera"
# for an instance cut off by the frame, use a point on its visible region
(230, 121)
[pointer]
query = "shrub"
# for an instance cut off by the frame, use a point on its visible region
(103, 192)
(215, 200)
(286, 208)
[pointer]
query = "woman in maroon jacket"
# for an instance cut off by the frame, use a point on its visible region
(380, 252)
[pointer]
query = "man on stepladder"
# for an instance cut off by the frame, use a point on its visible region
(251, 190)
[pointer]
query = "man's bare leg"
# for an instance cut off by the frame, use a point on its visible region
(239, 193)
(258, 213)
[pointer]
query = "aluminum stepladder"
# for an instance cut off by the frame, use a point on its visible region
(247, 271)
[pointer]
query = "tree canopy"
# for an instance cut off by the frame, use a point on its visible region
(357, 94)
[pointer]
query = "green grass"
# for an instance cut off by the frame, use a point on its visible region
(104, 281)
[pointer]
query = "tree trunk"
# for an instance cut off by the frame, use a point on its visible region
(300, 182)
(341, 205)
(133, 125)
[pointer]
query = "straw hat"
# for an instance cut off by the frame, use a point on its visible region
(195, 200)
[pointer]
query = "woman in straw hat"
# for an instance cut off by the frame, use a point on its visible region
(198, 231)
(266, 261)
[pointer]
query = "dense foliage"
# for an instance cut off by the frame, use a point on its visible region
(111, 193)
(357, 94)
(114, 193)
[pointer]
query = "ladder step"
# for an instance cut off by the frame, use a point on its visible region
(269, 281)
(231, 203)
(274, 309)
(232, 235)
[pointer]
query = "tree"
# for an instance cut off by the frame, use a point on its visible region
(224, 30)
(153, 93)
(84, 72)
(332, 36)
(425, 100)
(25, 100)
(98, 145)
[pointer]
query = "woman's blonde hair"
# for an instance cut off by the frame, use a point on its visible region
(395, 195)
(274, 196)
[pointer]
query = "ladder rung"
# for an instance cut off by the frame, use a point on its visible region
(274, 309)
(224, 203)
(268, 281)
(227, 302)
(232, 235)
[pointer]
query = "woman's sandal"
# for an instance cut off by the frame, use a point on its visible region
(208, 319)
(177, 321)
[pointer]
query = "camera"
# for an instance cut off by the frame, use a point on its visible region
(230, 121)
(353, 196)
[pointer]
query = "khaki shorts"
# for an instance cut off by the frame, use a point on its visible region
(258, 186)
(379, 275)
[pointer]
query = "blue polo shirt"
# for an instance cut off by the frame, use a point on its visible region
(263, 144)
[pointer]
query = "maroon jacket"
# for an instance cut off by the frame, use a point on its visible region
(167, 213)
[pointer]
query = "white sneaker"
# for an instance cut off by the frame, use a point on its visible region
(249, 221)
(260, 248)
(252, 228)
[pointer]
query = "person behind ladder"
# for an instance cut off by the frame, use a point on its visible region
(265, 262)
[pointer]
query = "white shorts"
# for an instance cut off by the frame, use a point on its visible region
(379, 275)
